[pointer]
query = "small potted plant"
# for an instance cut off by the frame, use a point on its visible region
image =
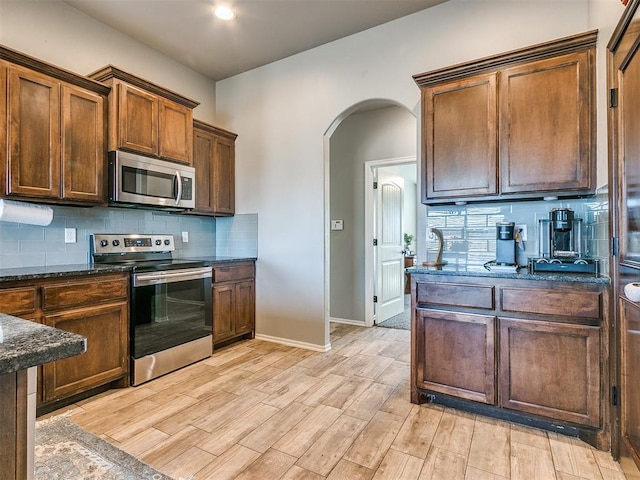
(408, 239)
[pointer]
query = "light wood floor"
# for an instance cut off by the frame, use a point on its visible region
(262, 410)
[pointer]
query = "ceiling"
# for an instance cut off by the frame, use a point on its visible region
(262, 32)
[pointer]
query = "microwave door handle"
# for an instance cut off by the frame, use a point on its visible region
(179, 192)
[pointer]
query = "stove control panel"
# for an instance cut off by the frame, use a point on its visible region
(103, 243)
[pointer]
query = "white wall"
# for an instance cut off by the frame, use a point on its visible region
(281, 112)
(59, 34)
(363, 136)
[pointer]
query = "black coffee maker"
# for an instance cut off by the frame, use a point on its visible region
(505, 243)
(565, 233)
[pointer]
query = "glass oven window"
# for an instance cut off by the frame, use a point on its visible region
(169, 314)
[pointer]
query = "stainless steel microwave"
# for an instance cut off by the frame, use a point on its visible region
(136, 180)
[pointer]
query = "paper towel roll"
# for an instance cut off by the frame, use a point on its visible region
(632, 291)
(20, 212)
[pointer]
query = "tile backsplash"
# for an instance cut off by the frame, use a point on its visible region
(469, 231)
(23, 245)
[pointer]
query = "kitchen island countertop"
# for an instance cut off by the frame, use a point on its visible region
(25, 344)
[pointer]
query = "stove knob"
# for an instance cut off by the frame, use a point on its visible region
(167, 242)
(158, 242)
(104, 243)
(115, 243)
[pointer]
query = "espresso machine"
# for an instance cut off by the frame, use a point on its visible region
(561, 245)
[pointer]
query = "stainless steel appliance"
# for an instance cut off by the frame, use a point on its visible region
(135, 180)
(170, 311)
(505, 243)
(561, 245)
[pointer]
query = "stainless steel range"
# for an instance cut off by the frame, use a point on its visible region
(170, 311)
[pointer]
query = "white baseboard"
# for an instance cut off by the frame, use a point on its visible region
(294, 343)
(346, 321)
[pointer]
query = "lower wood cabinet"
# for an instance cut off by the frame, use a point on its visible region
(233, 302)
(458, 355)
(550, 369)
(106, 330)
(94, 306)
(524, 350)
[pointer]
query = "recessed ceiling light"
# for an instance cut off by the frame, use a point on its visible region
(224, 12)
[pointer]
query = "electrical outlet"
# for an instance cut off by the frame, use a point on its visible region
(70, 235)
(523, 232)
(185, 237)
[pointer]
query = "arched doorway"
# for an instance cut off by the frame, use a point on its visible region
(372, 130)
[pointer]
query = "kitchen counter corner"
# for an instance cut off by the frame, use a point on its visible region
(25, 344)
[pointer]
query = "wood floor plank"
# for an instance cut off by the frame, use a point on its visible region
(572, 457)
(229, 411)
(394, 374)
(300, 438)
(271, 464)
(229, 465)
(374, 441)
(605, 460)
(188, 463)
(175, 445)
(299, 473)
(327, 451)
(149, 418)
(531, 463)
(454, 432)
(347, 393)
(262, 438)
(368, 403)
(442, 464)
(366, 366)
(324, 389)
(143, 441)
(477, 474)
(495, 459)
(418, 431)
(399, 402)
(232, 432)
(397, 465)
(352, 471)
(530, 436)
(191, 416)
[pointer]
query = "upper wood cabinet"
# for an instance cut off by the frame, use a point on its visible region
(214, 161)
(516, 125)
(52, 131)
(146, 118)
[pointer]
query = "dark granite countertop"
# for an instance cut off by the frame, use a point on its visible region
(25, 344)
(59, 271)
(218, 259)
(521, 275)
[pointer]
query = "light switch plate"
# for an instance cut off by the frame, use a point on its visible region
(337, 224)
(185, 237)
(70, 235)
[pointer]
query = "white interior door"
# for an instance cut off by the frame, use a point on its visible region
(389, 258)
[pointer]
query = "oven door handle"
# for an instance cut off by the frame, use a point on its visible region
(170, 276)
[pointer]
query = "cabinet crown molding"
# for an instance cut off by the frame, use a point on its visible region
(37, 65)
(200, 125)
(581, 41)
(109, 72)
